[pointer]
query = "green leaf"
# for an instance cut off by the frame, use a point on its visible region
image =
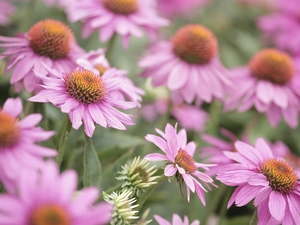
(91, 164)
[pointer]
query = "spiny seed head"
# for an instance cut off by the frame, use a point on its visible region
(51, 38)
(9, 130)
(124, 7)
(185, 161)
(195, 44)
(49, 215)
(272, 65)
(281, 176)
(86, 86)
(137, 176)
(123, 207)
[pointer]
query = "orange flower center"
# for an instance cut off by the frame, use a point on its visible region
(101, 69)
(281, 176)
(124, 7)
(185, 161)
(272, 65)
(49, 215)
(86, 86)
(195, 44)
(9, 130)
(50, 38)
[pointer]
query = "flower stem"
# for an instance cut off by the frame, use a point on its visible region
(110, 47)
(145, 196)
(63, 138)
(214, 120)
(254, 218)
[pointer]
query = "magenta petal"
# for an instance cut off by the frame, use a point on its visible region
(189, 182)
(277, 205)
(263, 149)
(156, 157)
(170, 170)
(161, 221)
(246, 194)
(158, 141)
(13, 106)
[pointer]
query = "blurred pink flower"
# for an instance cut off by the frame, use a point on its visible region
(269, 83)
(179, 157)
(269, 4)
(18, 149)
(85, 96)
(175, 221)
(215, 152)
(188, 65)
(49, 41)
(190, 117)
(282, 27)
(179, 7)
(128, 88)
(151, 111)
(270, 181)
(47, 197)
(114, 16)
(6, 10)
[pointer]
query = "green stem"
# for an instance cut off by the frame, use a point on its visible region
(110, 48)
(223, 211)
(252, 123)
(214, 120)
(63, 138)
(145, 196)
(254, 219)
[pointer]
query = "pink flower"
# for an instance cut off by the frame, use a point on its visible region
(190, 117)
(151, 111)
(114, 16)
(45, 196)
(18, 149)
(215, 152)
(49, 41)
(6, 10)
(270, 181)
(269, 83)
(128, 88)
(188, 65)
(85, 96)
(182, 7)
(180, 162)
(283, 26)
(175, 221)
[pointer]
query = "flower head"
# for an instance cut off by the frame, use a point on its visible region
(47, 197)
(137, 177)
(48, 41)
(282, 26)
(188, 65)
(175, 221)
(85, 96)
(270, 181)
(6, 10)
(123, 207)
(124, 17)
(269, 83)
(172, 8)
(128, 89)
(18, 149)
(180, 162)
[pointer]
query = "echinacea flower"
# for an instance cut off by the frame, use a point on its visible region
(18, 137)
(215, 152)
(172, 8)
(85, 96)
(48, 41)
(270, 181)
(179, 158)
(282, 27)
(125, 18)
(176, 220)
(47, 197)
(6, 10)
(188, 65)
(128, 88)
(269, 84)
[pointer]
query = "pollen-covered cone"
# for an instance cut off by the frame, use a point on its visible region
(18, 138)
(85, 96)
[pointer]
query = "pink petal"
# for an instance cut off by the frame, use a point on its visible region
(189, 182)
(161, 221)
(156, 157)
(277, 205)
(264, 90)
(246, 194)
(170, 170)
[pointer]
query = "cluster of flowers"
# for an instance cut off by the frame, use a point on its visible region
(47, 62)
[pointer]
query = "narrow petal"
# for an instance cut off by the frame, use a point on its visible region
(170, 170)
(277, 205)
